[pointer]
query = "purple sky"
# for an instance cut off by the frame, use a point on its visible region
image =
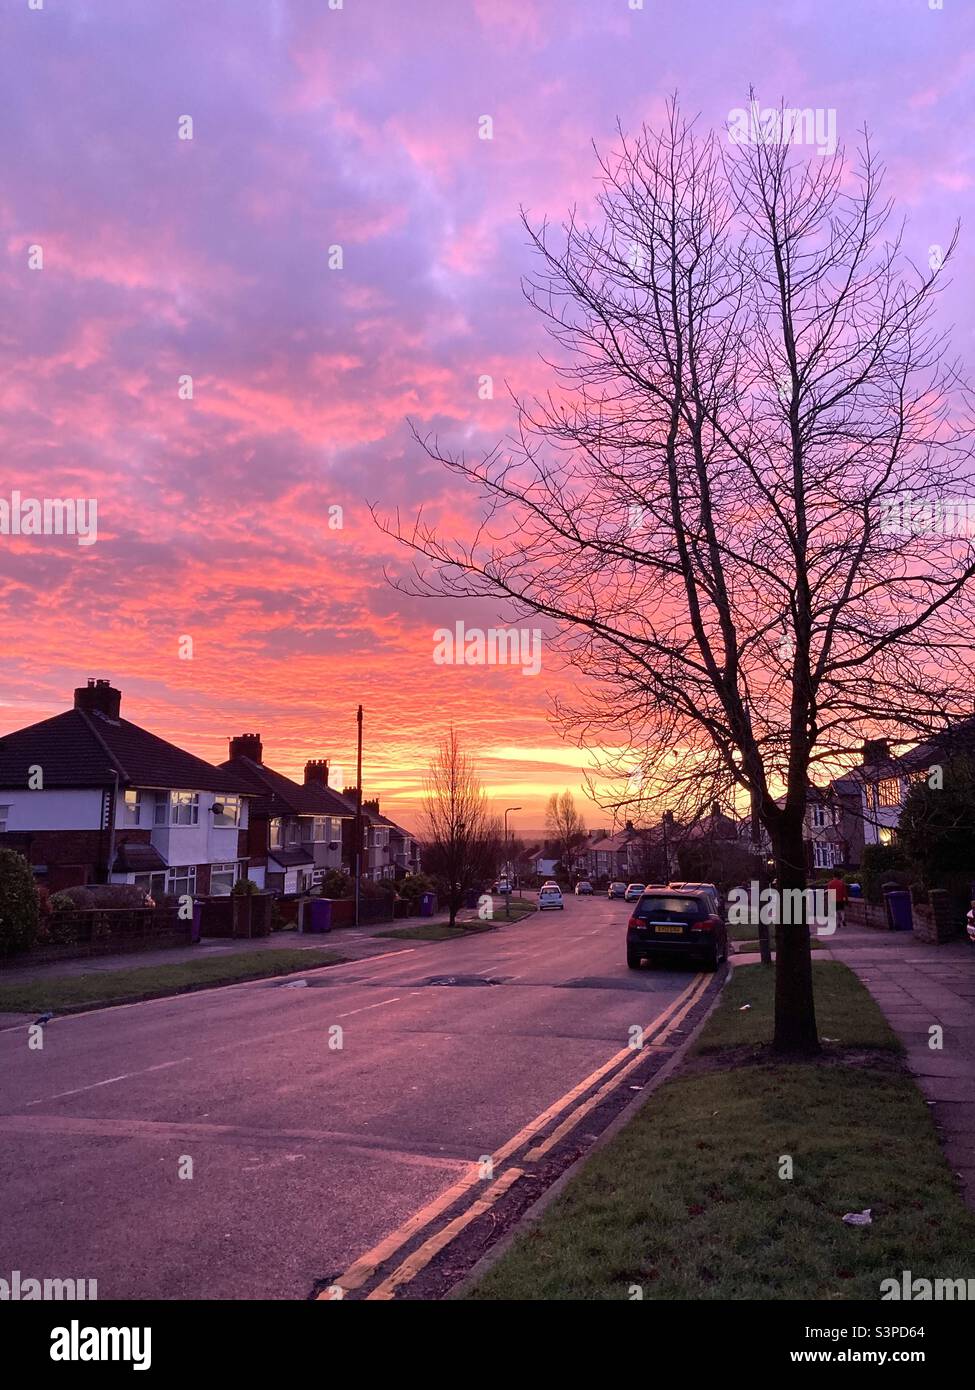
(162, 257)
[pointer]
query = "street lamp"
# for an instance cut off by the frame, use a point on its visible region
(507, 865)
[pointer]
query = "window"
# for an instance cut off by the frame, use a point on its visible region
(226, 811)
(276, 833)
(180, 881)
(153, 884)
(335, 833)
(822, 855)
(818, 815)
(293, 832)
(133, 807)
(888, 792)
(185, 808)
(318, 828)
(222, 878)
(4, 813)
(160, 815)
(885, 835)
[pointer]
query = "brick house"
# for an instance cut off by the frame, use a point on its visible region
(298, 830)
(89, 797)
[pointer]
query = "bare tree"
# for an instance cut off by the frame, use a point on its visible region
(750, 386)
(565, 827)
(462, 841)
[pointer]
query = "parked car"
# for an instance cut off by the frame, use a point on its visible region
(502, 886)
(633, 891)
(550, 895)
(970, 923)
(676, 923)
(583, 887)
(616, 890)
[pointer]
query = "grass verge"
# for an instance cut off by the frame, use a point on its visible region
(689, 1201)
(152, 981)
(438, 931)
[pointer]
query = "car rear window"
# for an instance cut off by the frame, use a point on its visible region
(671, 908)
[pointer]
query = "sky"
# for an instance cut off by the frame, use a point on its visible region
(137, 265)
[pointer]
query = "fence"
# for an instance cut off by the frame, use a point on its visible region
(236, 915)
(935, 921)
(102, 931)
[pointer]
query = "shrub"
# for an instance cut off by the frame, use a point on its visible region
(385, 888)
(336, 884)
(244, 888)
(414, 887)
(18, 904)
(882, 864)
(71, 899)
(116, 895)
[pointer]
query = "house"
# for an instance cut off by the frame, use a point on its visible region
(884, 777)
(622, 856)
(388, 851)
(404, 850)
(297, 829)
(88, 797)
(825, 844)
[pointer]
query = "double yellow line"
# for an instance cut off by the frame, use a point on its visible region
(654, 1035)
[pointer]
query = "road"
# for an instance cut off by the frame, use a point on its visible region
(224, 1145)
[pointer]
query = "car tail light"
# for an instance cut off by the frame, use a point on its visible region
(634, 921)
(708, 924)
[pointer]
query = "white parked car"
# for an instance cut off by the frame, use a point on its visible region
(550, 895)
(633, 892)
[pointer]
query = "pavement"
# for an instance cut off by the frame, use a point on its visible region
(274, 1138)
(921, 989)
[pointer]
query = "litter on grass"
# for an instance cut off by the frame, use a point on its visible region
(859, 1218)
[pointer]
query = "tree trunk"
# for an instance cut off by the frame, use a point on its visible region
(795, 1011)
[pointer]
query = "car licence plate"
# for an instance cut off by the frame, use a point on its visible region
(661, 929)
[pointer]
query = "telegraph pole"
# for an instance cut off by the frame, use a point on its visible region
(358, 810)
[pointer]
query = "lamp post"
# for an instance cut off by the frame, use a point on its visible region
(507, 865)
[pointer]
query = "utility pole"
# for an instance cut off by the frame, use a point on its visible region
(358, 810)
(507, 863)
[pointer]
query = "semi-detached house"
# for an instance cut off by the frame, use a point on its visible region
(89, 797)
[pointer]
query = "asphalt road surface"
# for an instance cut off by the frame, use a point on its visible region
(233, 1144)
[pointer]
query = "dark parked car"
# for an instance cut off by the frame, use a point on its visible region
(677, 924)
(616, 889)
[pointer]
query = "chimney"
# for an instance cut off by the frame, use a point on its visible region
(372, 806)
(247, 746)
(98, 697)
(715, 810)
(876, 750)
(629, 825)
(316, 770)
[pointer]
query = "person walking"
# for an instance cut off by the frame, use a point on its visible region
(839, 888)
